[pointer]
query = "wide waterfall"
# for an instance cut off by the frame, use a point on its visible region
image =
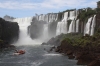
(24, 38)
(62, 26)
(48, 19)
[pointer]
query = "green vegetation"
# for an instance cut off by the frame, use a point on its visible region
(83, 41)
(85, 14)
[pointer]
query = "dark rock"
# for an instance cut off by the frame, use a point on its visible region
(52, 48)
(9, 31)
(69, 52)
(55, 41)
(94, 63)
(35, 30)
(85, 58)
(71, 56)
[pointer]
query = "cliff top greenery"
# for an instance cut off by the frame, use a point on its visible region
(85, 14)
(83, 41)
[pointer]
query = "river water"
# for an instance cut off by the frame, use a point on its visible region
(35, 56)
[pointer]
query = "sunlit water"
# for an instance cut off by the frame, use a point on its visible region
(35, 56)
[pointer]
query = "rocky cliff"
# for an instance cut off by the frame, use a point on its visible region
(9, 31)
(35, 30)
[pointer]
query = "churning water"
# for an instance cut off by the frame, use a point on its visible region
(35, 56)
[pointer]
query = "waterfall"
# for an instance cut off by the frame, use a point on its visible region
(72, 27)
(72, 15)
(45, 36)
(48, 19)
(72, 24)
(23, 21)
(52, 17)
(87, 27)
(77, 25)
(93, 26)
(56, 18)
(58, 31)
(62, 26)
(24, 38)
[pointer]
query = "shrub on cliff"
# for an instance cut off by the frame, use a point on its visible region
(86, 14)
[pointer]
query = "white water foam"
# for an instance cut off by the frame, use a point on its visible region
(93, 25)
(24, 38)
(87, 27)
(52, 54)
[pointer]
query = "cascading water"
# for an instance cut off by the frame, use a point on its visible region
(72, 15)
(87, 27)
(77, 25)
(72, 27)
(93, 25)
(72, 24)
(62, 26)
(48, 19)
(58, 31)
(45, 33)
(24, 38)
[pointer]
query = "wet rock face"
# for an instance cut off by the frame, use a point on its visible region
(9, 31)
(35, 30)
(54, 41)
